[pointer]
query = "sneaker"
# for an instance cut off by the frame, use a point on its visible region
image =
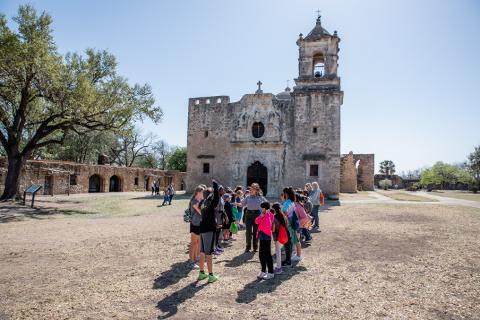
(212, 278)
(297, 258)
(194, 265)
(247, 250)
(286, 263)
(219, 249)
(261, 275)
(202, 276)
(217, 253)
(269, 276)
(278, 270)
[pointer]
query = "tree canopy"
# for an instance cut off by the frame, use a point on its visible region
(443, 174)
(177, 160)
(387, 167)
(44, 95)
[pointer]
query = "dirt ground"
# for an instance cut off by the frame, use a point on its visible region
(465, 195)
(371, 261)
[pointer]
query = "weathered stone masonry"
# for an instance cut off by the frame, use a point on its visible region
(279, 140)
(62, 177)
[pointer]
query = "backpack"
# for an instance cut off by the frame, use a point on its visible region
(282, 236)
(188, 214)
(304, 219)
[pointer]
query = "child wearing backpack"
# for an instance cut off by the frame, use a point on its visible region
(280, 235)
(264, 234)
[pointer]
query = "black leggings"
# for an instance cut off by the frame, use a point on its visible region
(288, 251)
(265, 255)
(217, 237)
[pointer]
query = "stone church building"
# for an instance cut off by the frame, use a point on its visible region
(279, 140)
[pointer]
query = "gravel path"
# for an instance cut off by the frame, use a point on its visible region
(370, 261)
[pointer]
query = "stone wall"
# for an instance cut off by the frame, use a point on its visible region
(357, 172)
(348, 175)
(62, 177)
(365, 164)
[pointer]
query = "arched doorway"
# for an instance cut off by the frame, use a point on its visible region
(95, 183)
(115, 184)
(258, 173)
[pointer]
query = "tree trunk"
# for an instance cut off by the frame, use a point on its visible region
(12, 183)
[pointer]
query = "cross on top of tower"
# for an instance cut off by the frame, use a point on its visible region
(318, 16)
(259, 84)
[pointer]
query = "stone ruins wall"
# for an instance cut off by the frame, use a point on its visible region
(366, 171)
(357, 172)
(62, 177)
(348, 176)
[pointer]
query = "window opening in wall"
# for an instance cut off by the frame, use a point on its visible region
(219, 100)
(318, 65)
(197, 101)
(205, 133)
(258, 129)
(314, 170)
(136, 181)
(73, 179)
(207, 101)
(314, 129)
(206, 168)
(319, 70)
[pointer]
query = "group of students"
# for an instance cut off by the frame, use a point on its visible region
(217, 212)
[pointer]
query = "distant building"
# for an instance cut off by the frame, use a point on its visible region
(63, 177)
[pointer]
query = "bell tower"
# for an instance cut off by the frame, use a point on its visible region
(317, 98)
(318, 58)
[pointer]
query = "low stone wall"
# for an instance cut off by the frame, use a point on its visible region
(62, 177)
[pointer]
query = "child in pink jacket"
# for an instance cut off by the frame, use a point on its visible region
(264, 234)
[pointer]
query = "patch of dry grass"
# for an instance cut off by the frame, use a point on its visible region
(458, 195)
(404, 196)
(360, 195)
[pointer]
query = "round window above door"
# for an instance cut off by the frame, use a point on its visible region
(258, 129)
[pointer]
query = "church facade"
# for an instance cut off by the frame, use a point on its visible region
(279, 140)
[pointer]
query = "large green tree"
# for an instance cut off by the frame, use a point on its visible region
(177, 159)
(443, 174)
(473, 165)
(44, 95)
(387, 167)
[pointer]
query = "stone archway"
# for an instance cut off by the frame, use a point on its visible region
(95, 183)
(115, 184)
(258, 173)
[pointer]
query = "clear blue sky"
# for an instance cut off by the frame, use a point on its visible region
(410, 69)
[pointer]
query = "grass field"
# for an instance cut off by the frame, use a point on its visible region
(404, 196)
(458, 195)
(129, 261)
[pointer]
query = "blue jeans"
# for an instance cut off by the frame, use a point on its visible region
(315, 210)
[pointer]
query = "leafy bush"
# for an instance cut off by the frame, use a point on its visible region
(385, 184)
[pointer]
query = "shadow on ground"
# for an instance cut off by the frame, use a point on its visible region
(160, 197)
(239, 260)
(169, 305)
(12, 212)
(250, 291)
(177, 272)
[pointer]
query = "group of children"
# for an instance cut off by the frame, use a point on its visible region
(218, 212)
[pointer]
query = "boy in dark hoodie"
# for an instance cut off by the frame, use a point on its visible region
(208, 227)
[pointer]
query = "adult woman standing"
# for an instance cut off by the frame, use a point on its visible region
(195, 225)
(252, 203)
(314, 195)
